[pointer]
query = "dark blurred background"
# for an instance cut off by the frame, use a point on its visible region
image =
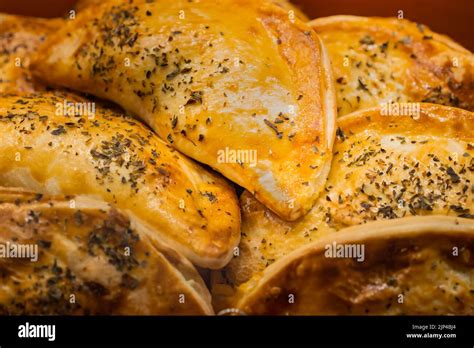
(451, 17)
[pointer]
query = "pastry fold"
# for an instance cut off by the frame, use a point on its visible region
(410, 266)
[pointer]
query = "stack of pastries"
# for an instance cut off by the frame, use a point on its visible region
(232, 157)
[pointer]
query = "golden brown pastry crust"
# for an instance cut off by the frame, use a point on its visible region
(117, 159)
(378, 60)
(19, 38)
(411, 266)
(212, 83)
(384, 167)
(94, 254)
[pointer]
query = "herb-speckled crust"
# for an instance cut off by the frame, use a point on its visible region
(94, 254)
(378, 60)
(19, 38)
(209, 76)
(384, 167)
(115, 158)
(412, 266)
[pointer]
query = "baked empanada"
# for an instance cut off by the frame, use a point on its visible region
(389, 60)
(409, 266)
(77, 256)
(285, 4)
(234, 84)
(384, 167)
(19, 38)
(63, 144)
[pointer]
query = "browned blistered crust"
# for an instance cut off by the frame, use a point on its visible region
(115, 158)
(92, 260)
(206, 80)
(378, 60)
